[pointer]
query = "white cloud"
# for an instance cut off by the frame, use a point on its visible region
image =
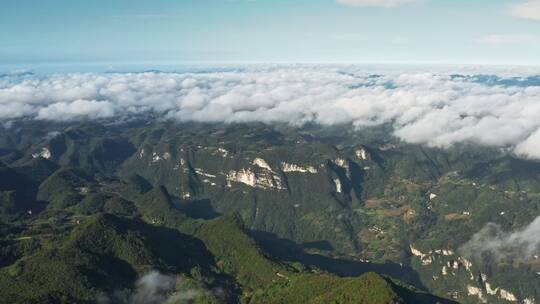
(425, 108)
(76, 110)
(376, 3)
(530, 147)
(527, 10)
(523, 244)
(157, 288)
(510, 39)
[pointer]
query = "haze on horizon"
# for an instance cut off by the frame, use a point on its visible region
(61, 32)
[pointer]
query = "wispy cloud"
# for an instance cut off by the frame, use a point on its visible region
(510, 39)
(157, 288)
(495, 243)
(376, 3)
(527, 10)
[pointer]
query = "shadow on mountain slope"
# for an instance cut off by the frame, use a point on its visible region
(287, 250)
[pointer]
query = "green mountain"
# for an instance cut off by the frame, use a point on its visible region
(255, 214)
(103, 256)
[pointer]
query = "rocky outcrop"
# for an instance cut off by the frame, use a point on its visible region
(262, 164)
(337, 184)
(156, 157)
(286, 167)
(508, 296)
(43, 153)
(263, 180)
(223, 152)
(201, 172)
(483, 290)
(475, 291)
(362, 154)
(427, 258)
(341, 163)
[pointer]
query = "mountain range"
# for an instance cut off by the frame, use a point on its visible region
(149, 211)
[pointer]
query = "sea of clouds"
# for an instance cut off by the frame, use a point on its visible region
(437, 109)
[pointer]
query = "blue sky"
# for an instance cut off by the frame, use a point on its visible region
(238, 31)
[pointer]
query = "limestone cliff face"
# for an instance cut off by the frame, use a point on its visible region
(287, 167)
(264, 178)
(44, 153)
(362, 154)
(478, 286)
(262, 164)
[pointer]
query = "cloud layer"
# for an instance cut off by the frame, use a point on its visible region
(437, 109)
